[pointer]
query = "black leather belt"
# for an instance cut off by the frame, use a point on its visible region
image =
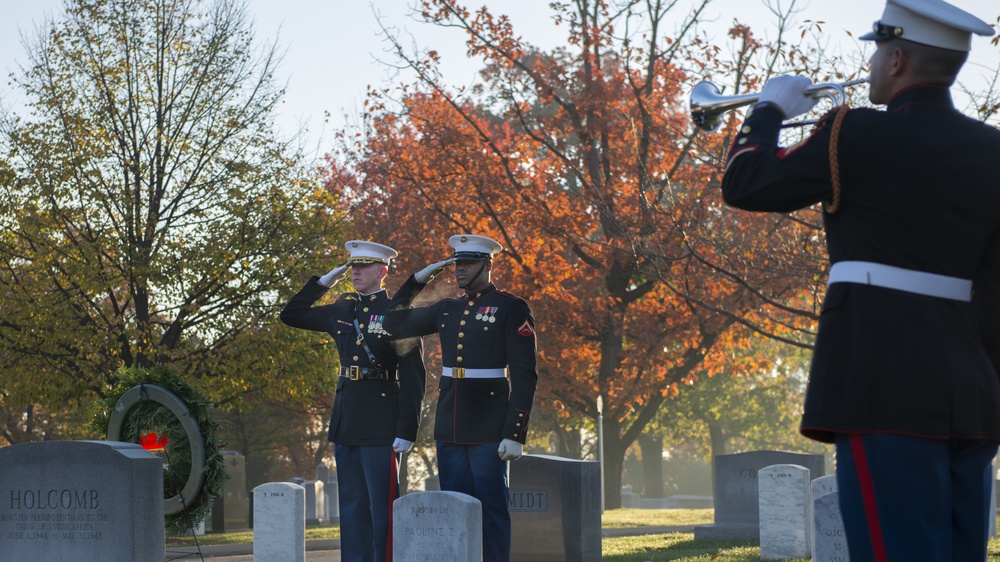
(366, 373)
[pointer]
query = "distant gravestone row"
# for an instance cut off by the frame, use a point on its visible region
(102, 501)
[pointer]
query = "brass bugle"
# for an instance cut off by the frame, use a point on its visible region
(708, 105)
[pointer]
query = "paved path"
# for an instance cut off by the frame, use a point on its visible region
(328, 550)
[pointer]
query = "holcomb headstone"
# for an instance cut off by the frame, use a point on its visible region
(555, 509)
(437, 526)
(734, 494)
(279, 509)
(785, 512)
(85, 501)
(231, 510)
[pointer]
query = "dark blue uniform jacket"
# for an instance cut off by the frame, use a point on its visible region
(365, 412)
(471, 410)
(920, 190)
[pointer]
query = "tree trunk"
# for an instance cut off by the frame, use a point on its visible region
(652, 465)
(568, 443)
(719, 443)
(614, 461)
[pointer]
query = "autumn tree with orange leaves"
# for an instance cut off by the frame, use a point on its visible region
(581, 161)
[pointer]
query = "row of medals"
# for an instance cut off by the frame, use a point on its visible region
(487, 314)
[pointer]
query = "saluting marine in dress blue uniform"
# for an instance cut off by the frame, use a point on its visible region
(904, 374)
(376, 409)
(487, 384)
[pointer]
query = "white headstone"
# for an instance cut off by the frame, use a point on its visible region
(735, 500)
(332, 488)
(323, 475)
(279, 515)
(315, 502)
(823, 485)
(785, 528)
(437, 526)
(993, 499)
(829, 541)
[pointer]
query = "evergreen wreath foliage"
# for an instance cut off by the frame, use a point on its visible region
(158, 419)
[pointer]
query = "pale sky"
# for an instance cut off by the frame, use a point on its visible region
(332, 45)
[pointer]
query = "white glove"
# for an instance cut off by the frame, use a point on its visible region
(334, 275)
(401, 445)
(510, 450)
(789, 94)
(425, 275)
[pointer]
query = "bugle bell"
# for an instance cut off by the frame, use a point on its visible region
(708, 105)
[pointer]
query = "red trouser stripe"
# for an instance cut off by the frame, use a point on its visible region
(868, 498)
(393, 494)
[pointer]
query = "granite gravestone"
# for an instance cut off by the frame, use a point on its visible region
(785, 522)
(735, 491)
(85, 501)
(437, 526)
(555, 509)
(231, 510)
(279, 508)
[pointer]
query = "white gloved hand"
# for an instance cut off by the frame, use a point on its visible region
(401, 445)
(789, 94)
(336, 274)
(510, 450)
(425, 275)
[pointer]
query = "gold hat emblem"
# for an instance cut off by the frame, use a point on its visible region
(464, 239)
(354, 244)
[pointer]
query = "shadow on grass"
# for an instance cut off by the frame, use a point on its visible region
(679, 548)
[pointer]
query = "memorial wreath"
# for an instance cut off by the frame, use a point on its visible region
(155, 408)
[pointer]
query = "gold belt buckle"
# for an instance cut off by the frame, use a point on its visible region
(458, 372)
(355, 372)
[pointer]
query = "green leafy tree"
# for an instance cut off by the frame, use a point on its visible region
(738, 411)
(149, 212)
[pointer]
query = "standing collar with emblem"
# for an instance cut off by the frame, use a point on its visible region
(376, 296)
(490, 289)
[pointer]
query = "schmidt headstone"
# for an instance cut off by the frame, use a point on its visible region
(735, 493)
(85, 501)
(785, 522)
(437, 526)
(555, 509)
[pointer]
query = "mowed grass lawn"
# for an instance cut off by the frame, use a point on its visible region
(673, 547)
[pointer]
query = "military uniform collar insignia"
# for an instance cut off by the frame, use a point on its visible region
(373, 296)
(491, 288)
